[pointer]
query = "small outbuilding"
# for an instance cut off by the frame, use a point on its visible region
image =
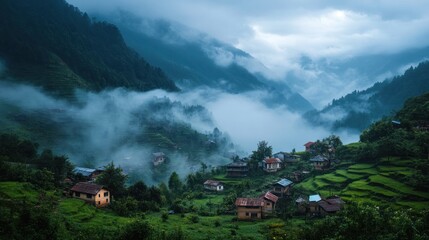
(271, 164)
(213, 185)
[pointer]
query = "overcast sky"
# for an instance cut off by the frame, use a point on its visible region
(280, 32)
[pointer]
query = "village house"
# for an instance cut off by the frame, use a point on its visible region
(237, 169)
(308, 146)
(330, 205)
(249, 208)
(286, 157)
(270, 203)
(213, 185)
(92, 193)
(301, 205)
(313, 203)
(282, 187)
(88, 174)
(158, 158)
(271, 164)
(319, 162)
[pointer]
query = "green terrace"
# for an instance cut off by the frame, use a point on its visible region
(383, 183)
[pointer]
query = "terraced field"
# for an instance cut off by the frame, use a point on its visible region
(382, 183)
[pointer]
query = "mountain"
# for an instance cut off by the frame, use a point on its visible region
(358, 109)
(193, 59)
(52, 44)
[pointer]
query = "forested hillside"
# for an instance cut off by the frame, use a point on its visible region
(52, 44)
(358, 109)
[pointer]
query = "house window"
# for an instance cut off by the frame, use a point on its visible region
(106, 194)
(98, 202)
(98, 195)
(107, 200)
(88, 196)
(254, 215)
(268, 204)
(247, 214)
(77, 194)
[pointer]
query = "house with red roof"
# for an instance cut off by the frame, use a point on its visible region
(92, 193)
(270, 203)
(308, 146)
(271, 164)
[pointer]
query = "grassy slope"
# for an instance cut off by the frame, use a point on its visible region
(78, 213)
(382, 183)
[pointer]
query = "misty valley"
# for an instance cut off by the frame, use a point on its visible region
(218, 120)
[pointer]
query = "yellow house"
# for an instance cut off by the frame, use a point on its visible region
(91, 192)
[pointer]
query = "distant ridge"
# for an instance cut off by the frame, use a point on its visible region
(52, 44)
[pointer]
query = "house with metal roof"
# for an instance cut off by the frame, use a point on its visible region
(282, 187)
(213, 185)
(320, 162)
(249, 208)
(89, 174)
(270, 203)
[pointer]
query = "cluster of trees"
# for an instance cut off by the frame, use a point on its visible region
(39, 34)
(20, 161)
(361, 221)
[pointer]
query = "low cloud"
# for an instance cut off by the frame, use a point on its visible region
(106, 126)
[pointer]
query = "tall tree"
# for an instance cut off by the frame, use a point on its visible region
(264, 150)
(174, 183)
(114, 179)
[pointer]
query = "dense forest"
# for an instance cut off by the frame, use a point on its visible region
(52, 44)
(359, 109)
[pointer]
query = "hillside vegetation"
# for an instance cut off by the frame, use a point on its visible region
(359, 109)
(52, 44)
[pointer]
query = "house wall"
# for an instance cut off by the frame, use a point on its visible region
(84, 196)
(269, 206)
(246, 213)
(100, 198)
(99, 201)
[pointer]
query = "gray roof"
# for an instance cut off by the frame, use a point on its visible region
(86, 172)
(284, 182)
(318, 158)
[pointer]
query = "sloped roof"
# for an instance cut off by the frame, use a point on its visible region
(272, 160)
(86, 187)
(308, 144)
(237, 164)
(249, 202)
(329, 207)
(300, 200)
(315, 198)
(318, 158)
(284, 182)
(212, 183)
(86, 172)
(269, 196)
(334, 200)
(158, 154)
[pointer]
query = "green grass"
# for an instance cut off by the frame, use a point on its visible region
(18, 191)
(382, 184)
(79, 212)
(205, 228)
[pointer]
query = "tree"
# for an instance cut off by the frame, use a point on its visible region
(263, 151)
(139, 191)
(113, 179)
(174, 184)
